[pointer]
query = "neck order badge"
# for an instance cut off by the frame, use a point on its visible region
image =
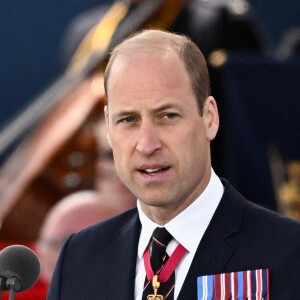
(165, 272)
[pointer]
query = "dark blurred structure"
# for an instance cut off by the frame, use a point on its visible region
(289, 47)
(278, 16)
(222, 24)
(214, 24)
(262, 128)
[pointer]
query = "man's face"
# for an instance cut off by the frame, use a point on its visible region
(159, 140)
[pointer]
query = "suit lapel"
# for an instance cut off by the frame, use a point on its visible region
(214, 250)
(121, 272)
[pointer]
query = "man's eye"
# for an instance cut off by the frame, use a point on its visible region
(128, 120)
(170, 115)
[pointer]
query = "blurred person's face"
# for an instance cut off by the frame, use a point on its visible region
(160, 142)
(107, 179)
(75, 212)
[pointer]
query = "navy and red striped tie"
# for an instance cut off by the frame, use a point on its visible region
(160, 240)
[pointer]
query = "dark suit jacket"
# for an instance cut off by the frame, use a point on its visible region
(99, 262)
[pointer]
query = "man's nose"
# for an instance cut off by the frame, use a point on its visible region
(148, 140)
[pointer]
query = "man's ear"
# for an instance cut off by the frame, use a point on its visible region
(107, 125)
(211, 117)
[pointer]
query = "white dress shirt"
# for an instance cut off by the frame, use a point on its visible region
(187, 228)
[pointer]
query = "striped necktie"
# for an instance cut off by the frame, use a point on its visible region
(160, 240)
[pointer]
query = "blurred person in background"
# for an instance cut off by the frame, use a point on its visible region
(107, 180)
(71, 214)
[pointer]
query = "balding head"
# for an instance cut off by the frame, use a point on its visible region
(160, 43)
(70, 215)
(75, 212)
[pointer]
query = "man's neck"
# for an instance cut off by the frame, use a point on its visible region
(163, 214)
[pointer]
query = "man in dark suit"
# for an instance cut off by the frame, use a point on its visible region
(160, 121)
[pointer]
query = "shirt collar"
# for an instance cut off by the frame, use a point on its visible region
(188, 227)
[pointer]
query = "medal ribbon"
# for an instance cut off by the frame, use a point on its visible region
(168, 268)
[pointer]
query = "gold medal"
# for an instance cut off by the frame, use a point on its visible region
(156, 285)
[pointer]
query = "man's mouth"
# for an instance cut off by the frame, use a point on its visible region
(153, 171)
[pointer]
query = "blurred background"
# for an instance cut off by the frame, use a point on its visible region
(52, 137)
(31, 36)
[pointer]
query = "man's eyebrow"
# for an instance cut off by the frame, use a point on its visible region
(123, 113)
(168, 106)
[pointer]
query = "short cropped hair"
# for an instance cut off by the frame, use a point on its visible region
(158, 41)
